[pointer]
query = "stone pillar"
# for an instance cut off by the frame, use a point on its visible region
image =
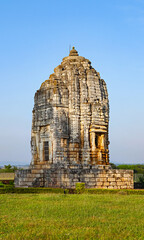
(92, 140)
(103, 141)
(99, 155)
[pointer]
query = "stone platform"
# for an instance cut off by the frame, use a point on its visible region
(66, 176)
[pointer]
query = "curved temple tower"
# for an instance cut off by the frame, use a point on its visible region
(71, 115)
(69, 138)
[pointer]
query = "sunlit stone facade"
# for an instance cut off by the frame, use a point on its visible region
(71, 115)
(69, 138)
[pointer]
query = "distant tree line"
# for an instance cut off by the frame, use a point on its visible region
(138, 168)
(8, 168)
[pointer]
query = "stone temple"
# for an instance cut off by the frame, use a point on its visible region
(69, 138)
(70, 115)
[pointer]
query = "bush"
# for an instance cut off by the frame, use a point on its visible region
(80, 188)
(141, 179)
(11, 182)
(1, 185)
(8, 186)
(139, 184)
(66, 191)
(113, 166)
(115, 191)
(12, 189)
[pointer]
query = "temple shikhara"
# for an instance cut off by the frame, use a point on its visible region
(71, 115)
(69, 138)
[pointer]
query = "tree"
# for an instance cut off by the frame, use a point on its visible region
(8, 167)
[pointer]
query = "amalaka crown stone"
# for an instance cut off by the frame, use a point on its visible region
(73, 52)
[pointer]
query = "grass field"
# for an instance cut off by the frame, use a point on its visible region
(59, 216)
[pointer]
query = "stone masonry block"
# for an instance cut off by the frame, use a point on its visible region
(99, 183)
(106, 183)
(111, 179)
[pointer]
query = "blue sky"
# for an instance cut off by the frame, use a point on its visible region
(34, 37)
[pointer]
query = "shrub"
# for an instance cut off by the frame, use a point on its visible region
(140, 183)
(141, 179)
(115, 191)
(113, 166)
(80, 187)
(11, 182)
(1, 185)
(66, 191)
(11, 189)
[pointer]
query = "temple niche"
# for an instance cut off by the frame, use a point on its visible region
(69, 137)
(71, 115)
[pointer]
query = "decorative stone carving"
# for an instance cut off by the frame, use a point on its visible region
(73, 102)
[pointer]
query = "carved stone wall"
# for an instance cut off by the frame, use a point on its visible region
(71, 114)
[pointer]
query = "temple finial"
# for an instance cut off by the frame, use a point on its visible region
(73, 52)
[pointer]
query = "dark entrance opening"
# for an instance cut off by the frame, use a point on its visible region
(96, 141)
(46, 151)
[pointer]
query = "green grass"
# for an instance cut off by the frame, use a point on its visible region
(59, 216)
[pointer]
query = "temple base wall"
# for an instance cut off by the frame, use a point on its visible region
(66, 176)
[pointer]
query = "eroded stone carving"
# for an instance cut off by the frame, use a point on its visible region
(73, 103)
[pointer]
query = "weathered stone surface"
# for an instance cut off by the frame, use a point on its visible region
(69, 138)
(70, 115)
(57, 176)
